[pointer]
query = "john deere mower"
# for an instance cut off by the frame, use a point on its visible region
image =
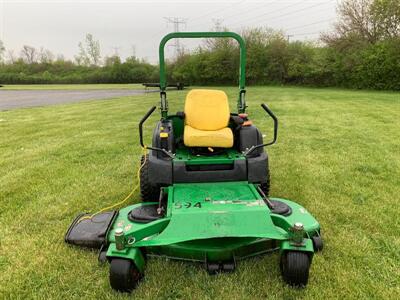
(205, 193)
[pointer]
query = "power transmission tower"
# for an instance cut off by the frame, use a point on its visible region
(133, 47)
(217, 24)
(116, 50)
(177, 22)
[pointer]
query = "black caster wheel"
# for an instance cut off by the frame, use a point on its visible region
(228, 267)
(102, 258)
(317, 243)
(124, 275)
(295, 267)
(213, 268)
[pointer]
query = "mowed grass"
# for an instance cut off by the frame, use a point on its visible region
(123, 86)
(338, 154)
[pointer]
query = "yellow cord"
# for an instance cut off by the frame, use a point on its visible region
(127, 197)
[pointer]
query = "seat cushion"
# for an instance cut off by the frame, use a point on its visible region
(207, 109)
(222, 138)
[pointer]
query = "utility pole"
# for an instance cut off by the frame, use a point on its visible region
(177, 22)
(288, 37)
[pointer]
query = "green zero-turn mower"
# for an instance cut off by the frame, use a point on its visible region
(205, 193)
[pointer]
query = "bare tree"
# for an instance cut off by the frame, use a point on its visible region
(355, 22)
(365, 21)
(29, 54)
(11, 58)
(60, 58)
(82, 58)
(45, 56)
(89, 51)
(78, 60)
(93, 49)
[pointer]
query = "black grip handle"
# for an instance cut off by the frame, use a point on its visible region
(146, 116)
(272, 115)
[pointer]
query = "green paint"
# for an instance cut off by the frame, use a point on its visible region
(178, 124)
(213, 221)
(306, 247)
(133, 254)
(228, 157)
(180, 35)
(138, 231)
(215, 249)
(299, 214)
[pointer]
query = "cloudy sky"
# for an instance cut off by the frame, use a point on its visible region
(136, 27)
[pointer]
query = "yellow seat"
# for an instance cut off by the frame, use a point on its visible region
(206, 119)
(222, 138)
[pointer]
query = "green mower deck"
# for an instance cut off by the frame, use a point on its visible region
(214, 223)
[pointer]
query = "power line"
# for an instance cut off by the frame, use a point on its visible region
(292, 12)
(305, 8)
(245, 11)
(250, 10)
(314, 23)
(268, 13)
(308, 33)
(211, 12)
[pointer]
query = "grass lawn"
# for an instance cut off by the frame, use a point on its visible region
(124, 86)
(338, 154)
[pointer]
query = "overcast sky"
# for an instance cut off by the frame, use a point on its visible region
(137, 26)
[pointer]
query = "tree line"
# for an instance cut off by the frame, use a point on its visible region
(41, 66)
(362, 51)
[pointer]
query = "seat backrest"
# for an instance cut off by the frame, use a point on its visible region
(207, 109)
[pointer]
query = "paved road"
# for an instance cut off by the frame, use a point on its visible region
(10, 99)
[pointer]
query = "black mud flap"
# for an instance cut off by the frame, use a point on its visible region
(90, 233)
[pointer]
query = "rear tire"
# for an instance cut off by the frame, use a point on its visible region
(295, 268)
(149, 192)
(124, 276)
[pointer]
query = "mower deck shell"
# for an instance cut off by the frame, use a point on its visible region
(227, 221)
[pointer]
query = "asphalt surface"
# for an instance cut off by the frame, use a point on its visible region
(11, 99)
